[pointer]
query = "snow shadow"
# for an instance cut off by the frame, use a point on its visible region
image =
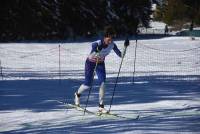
(147, 96)
(31, 94)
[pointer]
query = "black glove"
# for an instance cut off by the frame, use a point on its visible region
(126, 42)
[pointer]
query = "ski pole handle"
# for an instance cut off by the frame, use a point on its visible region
(126, 42)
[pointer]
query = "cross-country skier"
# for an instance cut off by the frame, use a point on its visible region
(100, 49)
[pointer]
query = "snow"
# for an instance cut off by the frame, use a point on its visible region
(165, 92)
(156, 27)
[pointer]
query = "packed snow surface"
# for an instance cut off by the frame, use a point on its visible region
(160, 82)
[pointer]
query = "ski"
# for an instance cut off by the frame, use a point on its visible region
(134, 117)
(99, 114)
(79, 108)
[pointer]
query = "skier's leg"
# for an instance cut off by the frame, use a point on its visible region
(89, 68)
(78, 94)
(82, 88)
(101, 93)
(101, 73)
(101, 98)
(89, 71)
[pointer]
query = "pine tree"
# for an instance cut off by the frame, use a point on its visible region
(130, 13)
(179, 12)
(193, 10)
(61, 19)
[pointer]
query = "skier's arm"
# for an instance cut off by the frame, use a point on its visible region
(117, 51)
(96, 47)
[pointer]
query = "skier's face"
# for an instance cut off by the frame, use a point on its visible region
(107, 40)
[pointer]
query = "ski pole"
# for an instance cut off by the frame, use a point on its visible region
(91, 85)
(126, 43)
(134, 60)
(1, 68)
(59, 65)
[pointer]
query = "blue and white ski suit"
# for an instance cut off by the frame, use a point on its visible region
(99, 51)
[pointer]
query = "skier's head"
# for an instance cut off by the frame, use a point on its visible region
(109, 33)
